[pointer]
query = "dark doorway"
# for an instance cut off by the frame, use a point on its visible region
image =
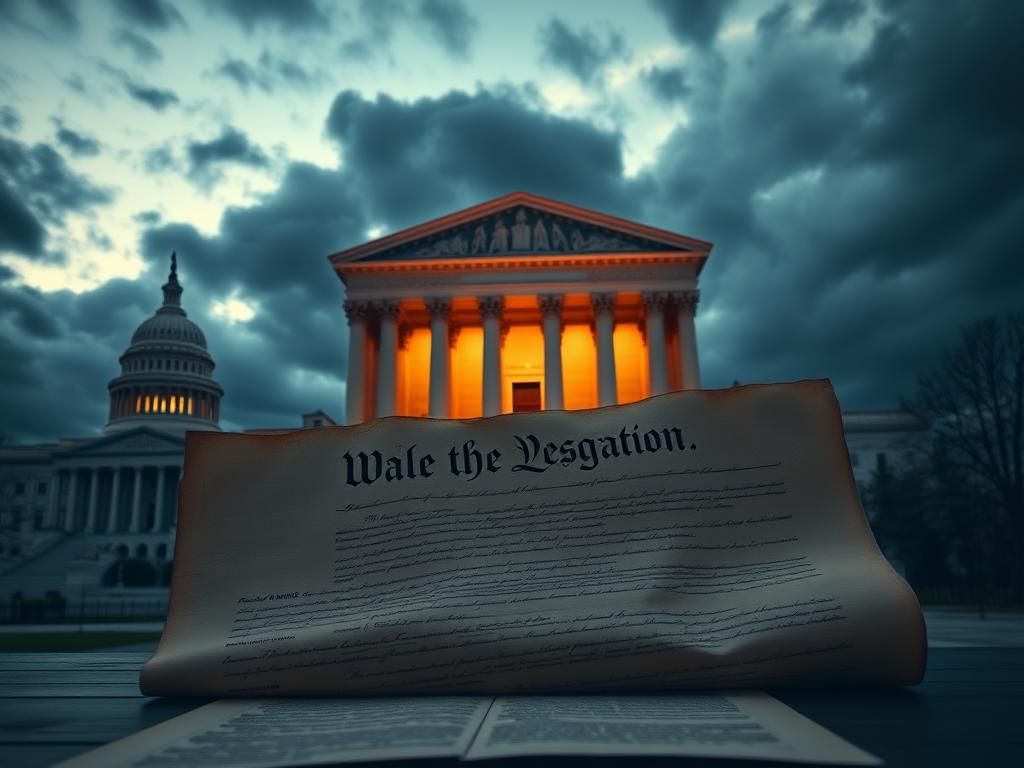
(525, 396)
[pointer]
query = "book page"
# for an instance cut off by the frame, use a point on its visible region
(261, 733)
(701, 538)
(735, 725)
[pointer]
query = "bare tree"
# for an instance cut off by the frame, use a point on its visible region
(975, 400)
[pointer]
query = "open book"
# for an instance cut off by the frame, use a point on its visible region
(695, 539)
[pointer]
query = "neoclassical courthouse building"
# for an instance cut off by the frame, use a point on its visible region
(520, 303)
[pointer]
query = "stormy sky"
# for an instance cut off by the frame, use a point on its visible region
(858, 165)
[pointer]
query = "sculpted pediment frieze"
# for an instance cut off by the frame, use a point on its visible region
(522, 230)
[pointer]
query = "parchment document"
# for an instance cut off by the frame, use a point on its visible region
(736, 725)
(695, 539)
(260, 733)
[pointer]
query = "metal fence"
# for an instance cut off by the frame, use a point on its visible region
(62, 610)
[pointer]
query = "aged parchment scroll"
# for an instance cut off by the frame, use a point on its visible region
(696, 539)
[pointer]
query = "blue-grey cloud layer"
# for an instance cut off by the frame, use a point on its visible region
(863, 207)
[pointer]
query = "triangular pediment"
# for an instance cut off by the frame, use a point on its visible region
(520, 224)
(138, 440)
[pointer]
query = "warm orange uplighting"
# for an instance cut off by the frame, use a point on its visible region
(138, 403)
(414, 374)
(631, 375)
(467, 374)
(148, 403)
(579, 367)
(190, 405)
(174, 405)
(522, 360)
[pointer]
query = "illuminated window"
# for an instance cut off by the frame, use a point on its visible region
(138, 403)
(147, 403)
(190, 405)
(174, 404)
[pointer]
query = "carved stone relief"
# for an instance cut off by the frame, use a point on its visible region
(531, 231)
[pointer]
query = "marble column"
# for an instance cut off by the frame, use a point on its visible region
(115, 492)
(94, 500)
(387, 358)
(686, 309)
(491, 308)
(69, 513)
(440, 311)
(355, 397)
(551, 322)
(52, 506)
(135, 524)
(158, 502)
(654, 306)
(604, 336)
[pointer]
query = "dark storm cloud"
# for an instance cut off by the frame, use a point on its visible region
(142, 47)
(269, 73)
(860, 215)
(416, 160)
(45, 18)
(159, 159)
(61, 13)
(10, 120)
(381, 17)
(835, 15)
(774, 21)
(149, 218)
(58, 351)
(694, 21)
(155, 15)
(582, 53)
(39, 180)
(78, 144)
(275, 254)
(157, 99)
(244, 75)
(76, 83)
(290, 16)
(20, 231)
(232, 147)
(450, 23)
(667, 83)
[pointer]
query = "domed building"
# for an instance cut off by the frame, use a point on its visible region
(93, 515)
(166, 372)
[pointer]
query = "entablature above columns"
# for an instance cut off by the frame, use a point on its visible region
(524, 307)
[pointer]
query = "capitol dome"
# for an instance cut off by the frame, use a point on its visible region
(166, 372)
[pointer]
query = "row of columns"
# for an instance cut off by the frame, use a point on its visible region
(92, 509)
(491, 309)
(183, 402)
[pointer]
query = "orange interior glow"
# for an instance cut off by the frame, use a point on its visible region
(522, 359)
(579, 367)
(631, 375)
(414, 374)
(467, 374)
